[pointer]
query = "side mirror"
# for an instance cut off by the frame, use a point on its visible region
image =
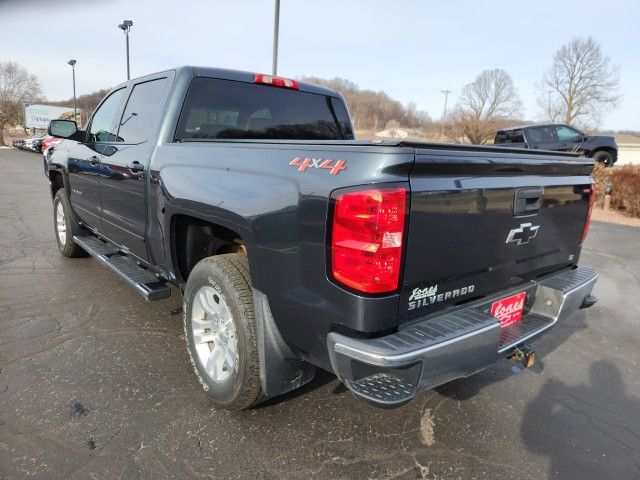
(62, 128)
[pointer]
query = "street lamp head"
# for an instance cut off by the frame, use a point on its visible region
(126, 25)
(71, 62)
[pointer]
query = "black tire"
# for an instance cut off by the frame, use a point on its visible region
(69, 248)
(229, 277)
(603, 157)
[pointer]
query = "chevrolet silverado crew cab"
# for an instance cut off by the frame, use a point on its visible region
(398, 266)
(601, 148)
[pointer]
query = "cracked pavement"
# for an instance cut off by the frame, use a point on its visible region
(96, 383)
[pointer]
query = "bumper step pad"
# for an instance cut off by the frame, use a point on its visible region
(516, 333)
(383, 389)
(143, 280)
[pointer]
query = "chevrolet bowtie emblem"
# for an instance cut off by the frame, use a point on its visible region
(522, 234)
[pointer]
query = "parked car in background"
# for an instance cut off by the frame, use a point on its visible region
(27, 143)
(17, 142)
(33, 143)
(560, 137)
(37, 144)
(48, 141)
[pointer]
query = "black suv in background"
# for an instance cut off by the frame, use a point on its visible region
(562, 138)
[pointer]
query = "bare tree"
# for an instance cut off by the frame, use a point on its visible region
(483, 105)
(581, 86)
(17, 86)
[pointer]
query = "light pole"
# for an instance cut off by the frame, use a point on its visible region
(125, 26)
(73, 72)
(276, 29)
(444, 113)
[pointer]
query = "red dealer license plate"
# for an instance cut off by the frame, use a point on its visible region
(509, 310)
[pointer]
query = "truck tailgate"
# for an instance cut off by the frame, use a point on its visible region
(481, 222)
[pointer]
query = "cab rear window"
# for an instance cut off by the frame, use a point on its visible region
(227, 109)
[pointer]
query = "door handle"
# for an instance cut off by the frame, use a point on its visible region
(527, 201)
(136, 166)
(94, 160)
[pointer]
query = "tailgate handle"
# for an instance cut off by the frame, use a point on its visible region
(528, 201)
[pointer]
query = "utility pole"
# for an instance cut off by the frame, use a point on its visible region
(444, 113)
(73, 72)
(125, 26)
(276, 30)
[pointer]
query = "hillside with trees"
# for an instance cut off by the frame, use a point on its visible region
(373, 111)
(86, 103)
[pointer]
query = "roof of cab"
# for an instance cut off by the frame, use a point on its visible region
(249, 77)
(531, 125)
(236, 75)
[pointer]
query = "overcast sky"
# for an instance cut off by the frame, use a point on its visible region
(409, 49)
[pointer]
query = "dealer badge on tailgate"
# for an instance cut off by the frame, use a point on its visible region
(509, 310)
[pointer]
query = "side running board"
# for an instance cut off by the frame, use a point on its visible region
(143, 280)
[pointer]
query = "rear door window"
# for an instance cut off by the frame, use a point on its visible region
(510, 136)
(141, 113)
(226, 109)
(539, 135)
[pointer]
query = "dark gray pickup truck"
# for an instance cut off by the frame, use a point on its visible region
(559, 137)
(398, 266)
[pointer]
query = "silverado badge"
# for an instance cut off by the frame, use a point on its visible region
(424, 297)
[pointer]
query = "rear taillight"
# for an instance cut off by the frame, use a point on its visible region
(366, 239)
(276, 81)
(591, 191)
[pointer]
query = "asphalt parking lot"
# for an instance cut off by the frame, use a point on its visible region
(96, 383)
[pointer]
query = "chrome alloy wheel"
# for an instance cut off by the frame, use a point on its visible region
(61, 224)
(214, 334)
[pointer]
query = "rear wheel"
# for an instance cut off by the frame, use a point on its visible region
(66, 226)
(604, 157)
(219, 327)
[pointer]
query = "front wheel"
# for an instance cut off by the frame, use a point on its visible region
(219, 325)
(604, 157)
(66, 226)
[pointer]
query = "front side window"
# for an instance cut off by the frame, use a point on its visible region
(141, 113)
(226, 109)
(103, 128)
(568, 134)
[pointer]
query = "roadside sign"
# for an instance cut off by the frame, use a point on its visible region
(39, 116)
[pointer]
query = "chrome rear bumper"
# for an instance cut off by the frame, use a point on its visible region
(390, 370)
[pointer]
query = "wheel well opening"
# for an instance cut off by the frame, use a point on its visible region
(195, 239)
(56, 182)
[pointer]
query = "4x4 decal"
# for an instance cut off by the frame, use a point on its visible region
(335, 166)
